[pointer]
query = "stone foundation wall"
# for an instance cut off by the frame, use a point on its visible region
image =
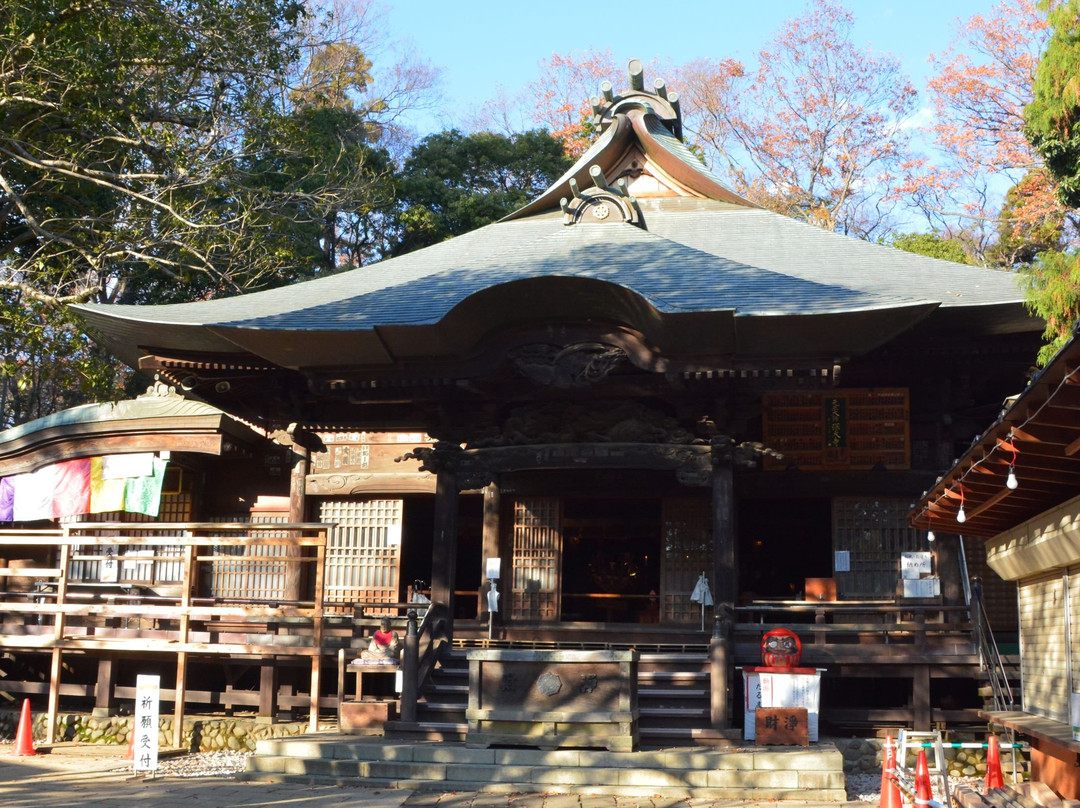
(238, 734)
(201, 733)
(864, 755)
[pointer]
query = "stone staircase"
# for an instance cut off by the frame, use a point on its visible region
(673, 698)
(811, 774)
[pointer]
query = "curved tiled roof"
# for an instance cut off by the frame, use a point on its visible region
(706, 251)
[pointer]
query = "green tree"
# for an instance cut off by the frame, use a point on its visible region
(1053, 293)
(453, 183)
(1052, 124)
(1052, 118)
(934, 245)
(156, 150)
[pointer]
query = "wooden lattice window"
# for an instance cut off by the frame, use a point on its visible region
(874, 532)
(687, 552)
(537, 558)
(363, 550)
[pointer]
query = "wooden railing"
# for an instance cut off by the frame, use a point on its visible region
(122, 612)
(826, 628)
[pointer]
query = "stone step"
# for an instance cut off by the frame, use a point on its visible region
(806, 774)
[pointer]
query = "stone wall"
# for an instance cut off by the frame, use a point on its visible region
(864, 755)
(201, 733)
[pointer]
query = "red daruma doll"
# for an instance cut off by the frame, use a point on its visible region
(780, 648)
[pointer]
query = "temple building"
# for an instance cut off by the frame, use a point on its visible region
(638, 378)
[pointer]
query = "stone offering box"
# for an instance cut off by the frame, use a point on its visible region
(550, 699)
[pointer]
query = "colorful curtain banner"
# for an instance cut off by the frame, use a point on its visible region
(106, 496)
(7, 500)
(72, 493)
(75, 487)
(122, 466)
(34, 493)
(143, 494)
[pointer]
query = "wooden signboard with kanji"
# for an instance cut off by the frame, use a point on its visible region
(781, 726)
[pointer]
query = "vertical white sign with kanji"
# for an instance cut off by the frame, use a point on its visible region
(110, 567)
(147, 705)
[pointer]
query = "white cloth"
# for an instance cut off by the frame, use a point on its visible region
(34, 494)
(701, 593)
(115, 467)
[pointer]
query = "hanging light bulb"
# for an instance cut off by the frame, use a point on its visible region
(1011, 482)
(930, 536)
(960, 515)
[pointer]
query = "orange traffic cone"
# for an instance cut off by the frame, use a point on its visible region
(130, 753)
(994, 778)
(923, 791)
(890, 792)
(24, 736)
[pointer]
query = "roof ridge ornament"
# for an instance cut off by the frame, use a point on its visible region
(600, 203)
(658, 101)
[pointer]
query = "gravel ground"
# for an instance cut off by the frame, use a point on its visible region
(867, 787)
(204, 764)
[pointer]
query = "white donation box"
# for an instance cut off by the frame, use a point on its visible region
(781, 687)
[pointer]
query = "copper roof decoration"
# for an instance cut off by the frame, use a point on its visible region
(1027, 462)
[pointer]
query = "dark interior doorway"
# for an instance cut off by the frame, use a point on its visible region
(782, 542)
(611, 560)
(418, 526)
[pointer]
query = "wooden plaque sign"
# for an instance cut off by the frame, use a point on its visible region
(781, 726)
(841, 429)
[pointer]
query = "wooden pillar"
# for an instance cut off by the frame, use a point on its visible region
(920, 697)
(297, 508)
(490, 544)
(724, 587)
(191, 576)
(268, 690)
(444, 544)
(723, 523)
(55, 669)
(178, 704)
(947, 555)
(105, 688)
(59, 627)
(317, 631)
(720, 667)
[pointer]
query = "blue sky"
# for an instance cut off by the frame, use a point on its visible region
(480, 44)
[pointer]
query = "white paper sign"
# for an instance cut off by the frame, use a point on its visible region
(492, 568)
(842, 561)
(109, 566)
(914, 565)
(922, 588)
(147, 705)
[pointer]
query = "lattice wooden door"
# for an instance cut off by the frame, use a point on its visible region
(687, 552)
(537, 559)
(363, 550)
(874, 532)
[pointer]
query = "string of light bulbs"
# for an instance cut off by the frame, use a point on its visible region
(1011, 481)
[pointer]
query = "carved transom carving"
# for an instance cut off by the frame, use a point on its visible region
(576, 365)
(599, 422)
